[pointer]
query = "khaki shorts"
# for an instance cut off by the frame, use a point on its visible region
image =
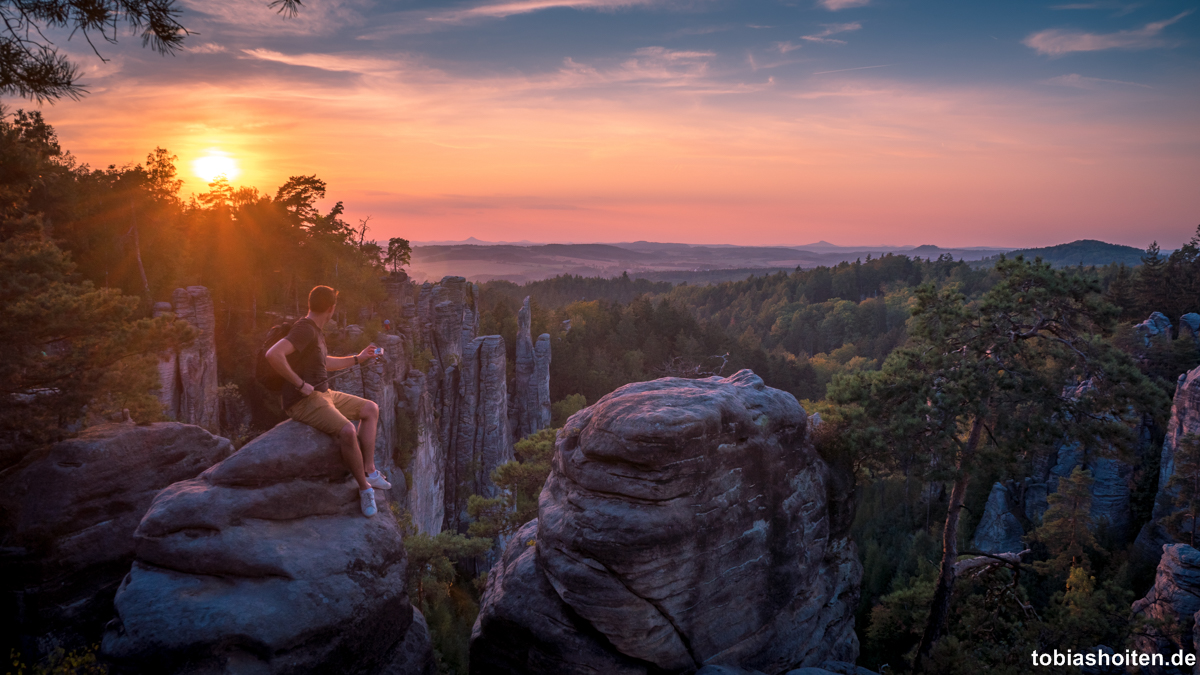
(328, 411)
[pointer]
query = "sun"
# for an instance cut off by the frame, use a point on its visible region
(215, 163)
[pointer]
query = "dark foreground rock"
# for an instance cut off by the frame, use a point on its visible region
(264, 564)
(685, 523)
(67, 517)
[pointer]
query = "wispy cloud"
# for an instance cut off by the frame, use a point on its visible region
(846, 70)
(500, 10)
(1055, 42)
(657, 66)
(1121, 8)
(330, 62)
(784, 47)
(832, 29)
(835, 5)
(1078, 81)
(206, 48)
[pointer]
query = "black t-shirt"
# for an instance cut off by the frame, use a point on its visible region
(308, 361)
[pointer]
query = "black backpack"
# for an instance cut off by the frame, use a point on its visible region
(264, 372)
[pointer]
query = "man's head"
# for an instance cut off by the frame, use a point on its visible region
(321, 300)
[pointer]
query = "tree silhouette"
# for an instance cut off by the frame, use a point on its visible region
(31, 65)
(399, 253)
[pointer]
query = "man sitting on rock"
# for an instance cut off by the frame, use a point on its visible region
(303, 361)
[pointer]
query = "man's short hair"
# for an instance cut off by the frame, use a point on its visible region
(321, 298)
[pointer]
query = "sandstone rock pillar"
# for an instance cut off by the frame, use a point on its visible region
(197, 364)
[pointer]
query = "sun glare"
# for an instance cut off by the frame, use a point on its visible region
(215, 164)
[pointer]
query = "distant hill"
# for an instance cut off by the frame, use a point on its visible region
(1085, 252)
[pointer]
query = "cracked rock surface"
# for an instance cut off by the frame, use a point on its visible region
(685, 523)
(265, 564)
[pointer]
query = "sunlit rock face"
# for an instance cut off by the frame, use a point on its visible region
(1171, 603)
(684, 523)
(265, 564)
(68, 513)
(1185, 419)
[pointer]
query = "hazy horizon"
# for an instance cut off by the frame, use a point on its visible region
(694, 121)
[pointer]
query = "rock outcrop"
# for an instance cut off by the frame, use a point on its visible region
(1189, 326)
(685, 523)
(168, 370)
(999, 531)
(427, 468)
(1173, 601)
(531, 399)
(1111, 490)
(69, 513)
(265, 564)
(1185, 419)
(1157, 326)
(196, 383)
(480, 439)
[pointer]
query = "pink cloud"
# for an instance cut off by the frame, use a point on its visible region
(832, 29)
(1055, 42)
(835, 5)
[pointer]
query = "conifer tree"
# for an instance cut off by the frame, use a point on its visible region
(998, 371)
(61, 333)
(1065, 529)
(1151, 290)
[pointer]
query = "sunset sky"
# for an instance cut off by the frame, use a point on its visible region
(707, 121)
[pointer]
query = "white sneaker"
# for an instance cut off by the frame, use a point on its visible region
(366, 499)
(376, 480)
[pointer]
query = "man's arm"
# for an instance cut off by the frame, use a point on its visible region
(277, 357)
(338, 362)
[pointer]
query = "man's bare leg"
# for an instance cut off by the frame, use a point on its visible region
(352, 456)
(366, 434)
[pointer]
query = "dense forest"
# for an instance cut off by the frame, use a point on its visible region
(918, 369)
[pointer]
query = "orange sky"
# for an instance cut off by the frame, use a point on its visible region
(659, 143)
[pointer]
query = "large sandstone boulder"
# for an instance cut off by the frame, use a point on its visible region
(1172, 603)
(684, 523)
(264, 564)
(68, 514)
